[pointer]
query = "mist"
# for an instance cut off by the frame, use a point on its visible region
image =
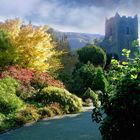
(86, 16)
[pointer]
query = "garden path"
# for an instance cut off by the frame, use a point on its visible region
(69, 127)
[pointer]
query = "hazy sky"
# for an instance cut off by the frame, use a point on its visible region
(68, 15)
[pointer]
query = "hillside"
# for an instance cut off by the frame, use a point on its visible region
(77, 40)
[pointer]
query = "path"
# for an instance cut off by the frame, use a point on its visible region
(70, 127)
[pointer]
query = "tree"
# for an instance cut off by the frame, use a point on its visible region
(100, 82)
(123, 111)
(88, 76)
(93, 54)
(121, 104)
(68, 58)
(34, 46)
(8, 53)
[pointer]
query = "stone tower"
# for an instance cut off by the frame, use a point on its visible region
(120, 32)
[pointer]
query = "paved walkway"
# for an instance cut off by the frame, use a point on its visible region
(70, 127)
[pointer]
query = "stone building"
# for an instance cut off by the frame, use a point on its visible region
(120, 32)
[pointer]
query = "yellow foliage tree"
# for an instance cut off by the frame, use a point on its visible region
(34, 46)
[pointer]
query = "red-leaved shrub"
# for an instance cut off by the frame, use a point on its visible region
(29, 77)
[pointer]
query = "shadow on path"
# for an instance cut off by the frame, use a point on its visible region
(71, 127)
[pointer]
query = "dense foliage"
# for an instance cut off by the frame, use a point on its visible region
(121, 103)
(6, 49)
(69, 102)
(33, 45)
(123, 112)
(9, 102)
(94, 96)
(68, 58)
(94, 54)
(28, 91)
(88, 71)
(87, 76)
(30, 77)
(21, 104)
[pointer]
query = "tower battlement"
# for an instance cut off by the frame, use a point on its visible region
(120, 32)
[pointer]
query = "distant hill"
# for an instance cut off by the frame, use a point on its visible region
(77, 40)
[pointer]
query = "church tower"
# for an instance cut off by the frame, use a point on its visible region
(120, 32)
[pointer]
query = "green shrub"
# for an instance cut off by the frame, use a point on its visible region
(9, 102)
(88, 76)
(27, 115)
(56, 108)
(50, 110)
(90, 94)
(2, 117)
(5, 125)
(6, 122)
(93, 96)
(57, 111)
(68, 101)
(46, 112)
(8, 52)
(25, 92)
(100, 82)
(119, 114)
(92, 54)
(123, 112)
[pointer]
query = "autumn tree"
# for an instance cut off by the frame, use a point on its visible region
(34, 46)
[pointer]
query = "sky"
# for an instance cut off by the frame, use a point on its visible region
(87, 16)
